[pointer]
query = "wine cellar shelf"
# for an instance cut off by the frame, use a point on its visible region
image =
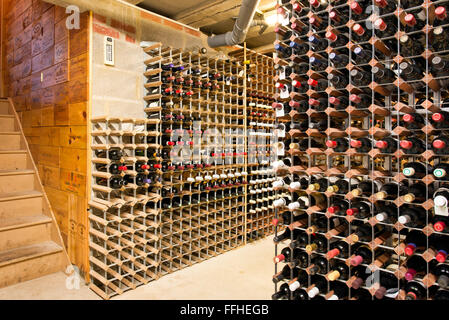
(167, 191)
(363, 207)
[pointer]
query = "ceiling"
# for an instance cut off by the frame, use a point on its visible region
(212, 16)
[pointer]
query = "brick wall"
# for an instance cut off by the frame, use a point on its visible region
(46, 74)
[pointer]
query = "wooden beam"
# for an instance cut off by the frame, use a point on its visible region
(265, 49)
(205, 5)
(210, 13)
(134, 2)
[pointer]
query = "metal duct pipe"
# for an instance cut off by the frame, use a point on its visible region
(260, 22)
(241, 26)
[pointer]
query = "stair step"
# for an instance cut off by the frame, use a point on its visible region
(7, 122)
(13, 151)
(11, 140)
(4, 106)
(17, 180)
(16, 172)
(23, 222)
(14, 159)
(28, 252)
(20, 195)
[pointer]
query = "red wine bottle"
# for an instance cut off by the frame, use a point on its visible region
(338, 248)
(415, 291)
(413, 145)
(338, 144)
(360, 34)
(359, 209)
(413, 121)
(440, 145)
(415, 241)
(415, 265)
(362, 145)
(338, 206)
(440, 120)
(387, 145)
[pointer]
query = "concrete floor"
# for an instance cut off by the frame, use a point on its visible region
(244, 273)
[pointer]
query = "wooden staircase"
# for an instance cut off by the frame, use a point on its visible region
(30, 243)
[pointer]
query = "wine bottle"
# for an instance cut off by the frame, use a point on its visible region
(387, 145)
(415, 240)
(362, 55)
(441, 247)
(359, 209)
(339, 291)
(320, 185)
(285, 273)
(441, 170)
(360, 78)
(440, 120)
(362, 145)
(318, 244)
(387, 281)
(339, 271)
(415, 265)
(413, 145)
(319, 286)
(363, 254)
(386, 27)
(360, 34)
(343, 186)
(440, 145)
(319, 265)
(338, 248)
(339, 103)
(412, 216)
(359, 275)
(415, 291)
(338, 80)
(337, 40)
(359, 9)
(338, 144)
(415, 20)
(411, 45)
(299, 281)
(366, 188)
(416, 192)
(413, 121)
(339, 16)
(387, 212)
(283, 293)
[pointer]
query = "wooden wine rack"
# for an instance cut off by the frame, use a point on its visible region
(390, 101)
(138, 234)
(260, 91)
(125, 223)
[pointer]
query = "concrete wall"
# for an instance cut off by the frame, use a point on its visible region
(118, 90)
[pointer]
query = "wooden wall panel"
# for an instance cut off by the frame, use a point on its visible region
(46, 73)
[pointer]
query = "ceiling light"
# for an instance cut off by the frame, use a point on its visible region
(271, 18)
